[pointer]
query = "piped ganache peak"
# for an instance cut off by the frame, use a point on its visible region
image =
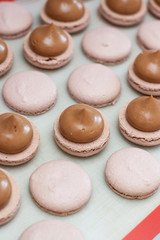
(15, 133)
(65, 10)
(48, 40)
(5, 189)
(124, 13)
(48, 47)
(19, 139)
(144, 72)
(6, 57)
(81, 123)
(147, 66)
(124, 7)
(143, 113)
(70, 15)
(81, 130)
(139, 121)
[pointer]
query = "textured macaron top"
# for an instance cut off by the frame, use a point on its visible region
(15, 19)
(66, 187)
(94, 84)
(149, 35)
(30, 92)
(51, 230)
(133, 172)
(102, 45)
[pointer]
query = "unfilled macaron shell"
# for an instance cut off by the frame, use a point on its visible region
(71, 27)
(140, 85)
(133, 173)
(82, 149)
(15, 20)
(51, 230)
(30, 92)
(12, 207)
(154, 8)
(48, 62)
(7, 64)
(134, 135)
(119, 19)
(94, 84)
(60, 187)
(102, 45)
(24, 156)
(149, 35)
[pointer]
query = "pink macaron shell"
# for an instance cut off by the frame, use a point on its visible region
(24, 156)
(82, 149)
(51, 230)
(148, 35)
(15, 20)
(102, 45)
(133, 173)
(142, 86)
(10, 210)
(94, 84)
(7, 64)
(134, 135)
(71, 27)
(120, 19)
(66, 187)
(47, 62)
(154, 8)
(30, 92)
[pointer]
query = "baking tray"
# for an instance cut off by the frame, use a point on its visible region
(107, 215)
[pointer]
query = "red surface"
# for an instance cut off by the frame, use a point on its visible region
(147, 229)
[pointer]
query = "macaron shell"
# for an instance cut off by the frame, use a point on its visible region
(11, 209)
(15, 20)
(51, 230)
(47, 62)
(122, 20)
(60, 187)
(154, 8)
(133, 173)
(30, 92)
(142, 86)
(82, 149)
(102, 45)
(134, 135)
(71, 27)
(94, 84)
(7, 64)
(24, 156)
(148, 35)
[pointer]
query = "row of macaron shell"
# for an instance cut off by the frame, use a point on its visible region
(72, 185)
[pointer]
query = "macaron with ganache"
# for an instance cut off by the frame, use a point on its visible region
(70, 15)
(123, 13)
(19, 139)
(10, 197)
(139, 121)
(81, 130)
(144, 72)
(48, 47)
(6, 57)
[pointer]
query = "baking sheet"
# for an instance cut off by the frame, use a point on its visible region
(107, 215)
